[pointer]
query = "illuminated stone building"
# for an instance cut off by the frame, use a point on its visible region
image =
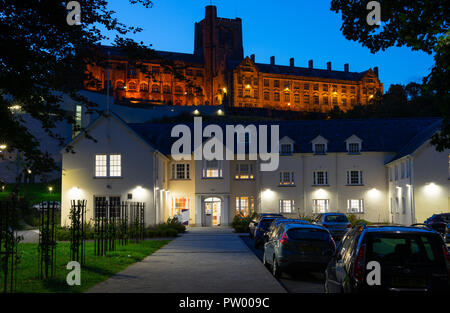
(222, 76)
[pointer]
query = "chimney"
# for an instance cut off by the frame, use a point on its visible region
(252, 57)
(329, 66)
(375, 70)
(211, 11)
(346, 67)
(310, 64)
(291, 62)
(272, 60)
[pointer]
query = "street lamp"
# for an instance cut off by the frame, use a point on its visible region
(50, 189)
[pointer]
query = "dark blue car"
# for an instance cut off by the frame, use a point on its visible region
(277, 222)
(336, 223)
(261, 228)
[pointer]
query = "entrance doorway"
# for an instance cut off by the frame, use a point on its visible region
(213, 211)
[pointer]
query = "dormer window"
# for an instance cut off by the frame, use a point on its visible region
(320, 148)
(286, 149)
(354, 148)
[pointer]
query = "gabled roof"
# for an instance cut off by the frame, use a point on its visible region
(418, 140)
(303, 71)
(384, 135)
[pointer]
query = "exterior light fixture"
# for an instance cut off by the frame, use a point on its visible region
(219, 112)
(3, 146)
(224, 90)
(247, 86)
(50, 189)
(28, 171)
(289, 103)
(196, 112)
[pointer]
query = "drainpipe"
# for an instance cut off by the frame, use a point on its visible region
(411, 183)
(154, 187)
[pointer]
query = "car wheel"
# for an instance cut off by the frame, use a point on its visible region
(276, 272)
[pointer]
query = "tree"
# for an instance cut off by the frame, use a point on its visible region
(42, 57)
(420, 25)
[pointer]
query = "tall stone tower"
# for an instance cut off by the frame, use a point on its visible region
(217, 40)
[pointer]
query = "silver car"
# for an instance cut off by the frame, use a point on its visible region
(298, 247)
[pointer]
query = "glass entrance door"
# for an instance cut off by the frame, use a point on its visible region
(213, 211)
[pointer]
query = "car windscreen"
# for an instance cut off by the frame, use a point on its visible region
(404, 248)
(336, 219)
(308, 234)
(444, 217)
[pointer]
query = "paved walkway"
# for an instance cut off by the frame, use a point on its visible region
(203, 260)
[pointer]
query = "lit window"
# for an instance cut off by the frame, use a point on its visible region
(306, 99)
(276, 83)
(115, 166)
(266, 95)
(143, 87)
(180, 171)
(321, 205)
(320, 178)
(325, 99)
(286, 206)
(180, 204)
(355, 206)
(100, 165)
(316, 99)
(287, 179)
(244, 205)
(276, 96)
(212, 169)
(244, 171)
(354, 177)
(78, 115)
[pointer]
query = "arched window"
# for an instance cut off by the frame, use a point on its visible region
(155, 88)
(166, 89)
(120, 84)
(143, 87)
(198, 91)
(131, 86)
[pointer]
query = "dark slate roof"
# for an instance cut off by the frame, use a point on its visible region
(303, 71)
(388, 135)
(174, 56)
(418, 140)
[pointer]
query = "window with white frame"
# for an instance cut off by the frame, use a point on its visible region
(354, 178)
(287, 178)
(180, 171)
(320, 178)
(108, 165)
(115, 165)
(408, 168)
(244, 171)
(286, 148)
(403, 169)
(355, 206)
(397, 205)
(286, 206)
(212, 169)
(101, 165)
(354, 148)
(244, 206)
(321, 205)
(320, 148)
(180, 204)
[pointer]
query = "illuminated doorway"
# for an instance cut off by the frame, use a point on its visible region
(213, 211)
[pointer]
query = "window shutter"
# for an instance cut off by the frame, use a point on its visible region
(188, 174)
(292, 178)
(326, 178)
(314, 178)
(360, 177)
(173, 171)
(348, 177)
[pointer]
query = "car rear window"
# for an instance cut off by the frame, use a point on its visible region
(265, 223)
(336, 219)
(400, 249)
(308, 234)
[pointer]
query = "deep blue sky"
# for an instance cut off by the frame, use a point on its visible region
(303, 29)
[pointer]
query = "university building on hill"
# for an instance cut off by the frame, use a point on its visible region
(221, 75)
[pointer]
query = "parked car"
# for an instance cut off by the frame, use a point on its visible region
(298, 246)
(440, 223)
(410, 259)
(261, 228)
(336, 223)
(255, 221)
(277, 222)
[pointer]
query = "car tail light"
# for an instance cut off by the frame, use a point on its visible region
(325, 225)
(358, 268)
(284, 239)
(447, 253)
(333, 242)
(349, 225)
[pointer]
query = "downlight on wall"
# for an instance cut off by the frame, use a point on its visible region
(431, 189)
(75, 193)
(139, 193)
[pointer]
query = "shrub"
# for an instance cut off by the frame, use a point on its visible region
(240, 223)
(353, 219)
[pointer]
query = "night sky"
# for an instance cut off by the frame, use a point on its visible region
(303, 29)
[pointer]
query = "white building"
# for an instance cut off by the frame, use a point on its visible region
(324, 166)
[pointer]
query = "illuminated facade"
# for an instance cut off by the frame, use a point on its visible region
(382, 170)
(218, 74)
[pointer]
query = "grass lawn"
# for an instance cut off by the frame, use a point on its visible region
(36, 192)
(96, 269)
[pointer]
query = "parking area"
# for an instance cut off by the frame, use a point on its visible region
(301, 282)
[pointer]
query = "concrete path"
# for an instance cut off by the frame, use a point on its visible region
(204, 260)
